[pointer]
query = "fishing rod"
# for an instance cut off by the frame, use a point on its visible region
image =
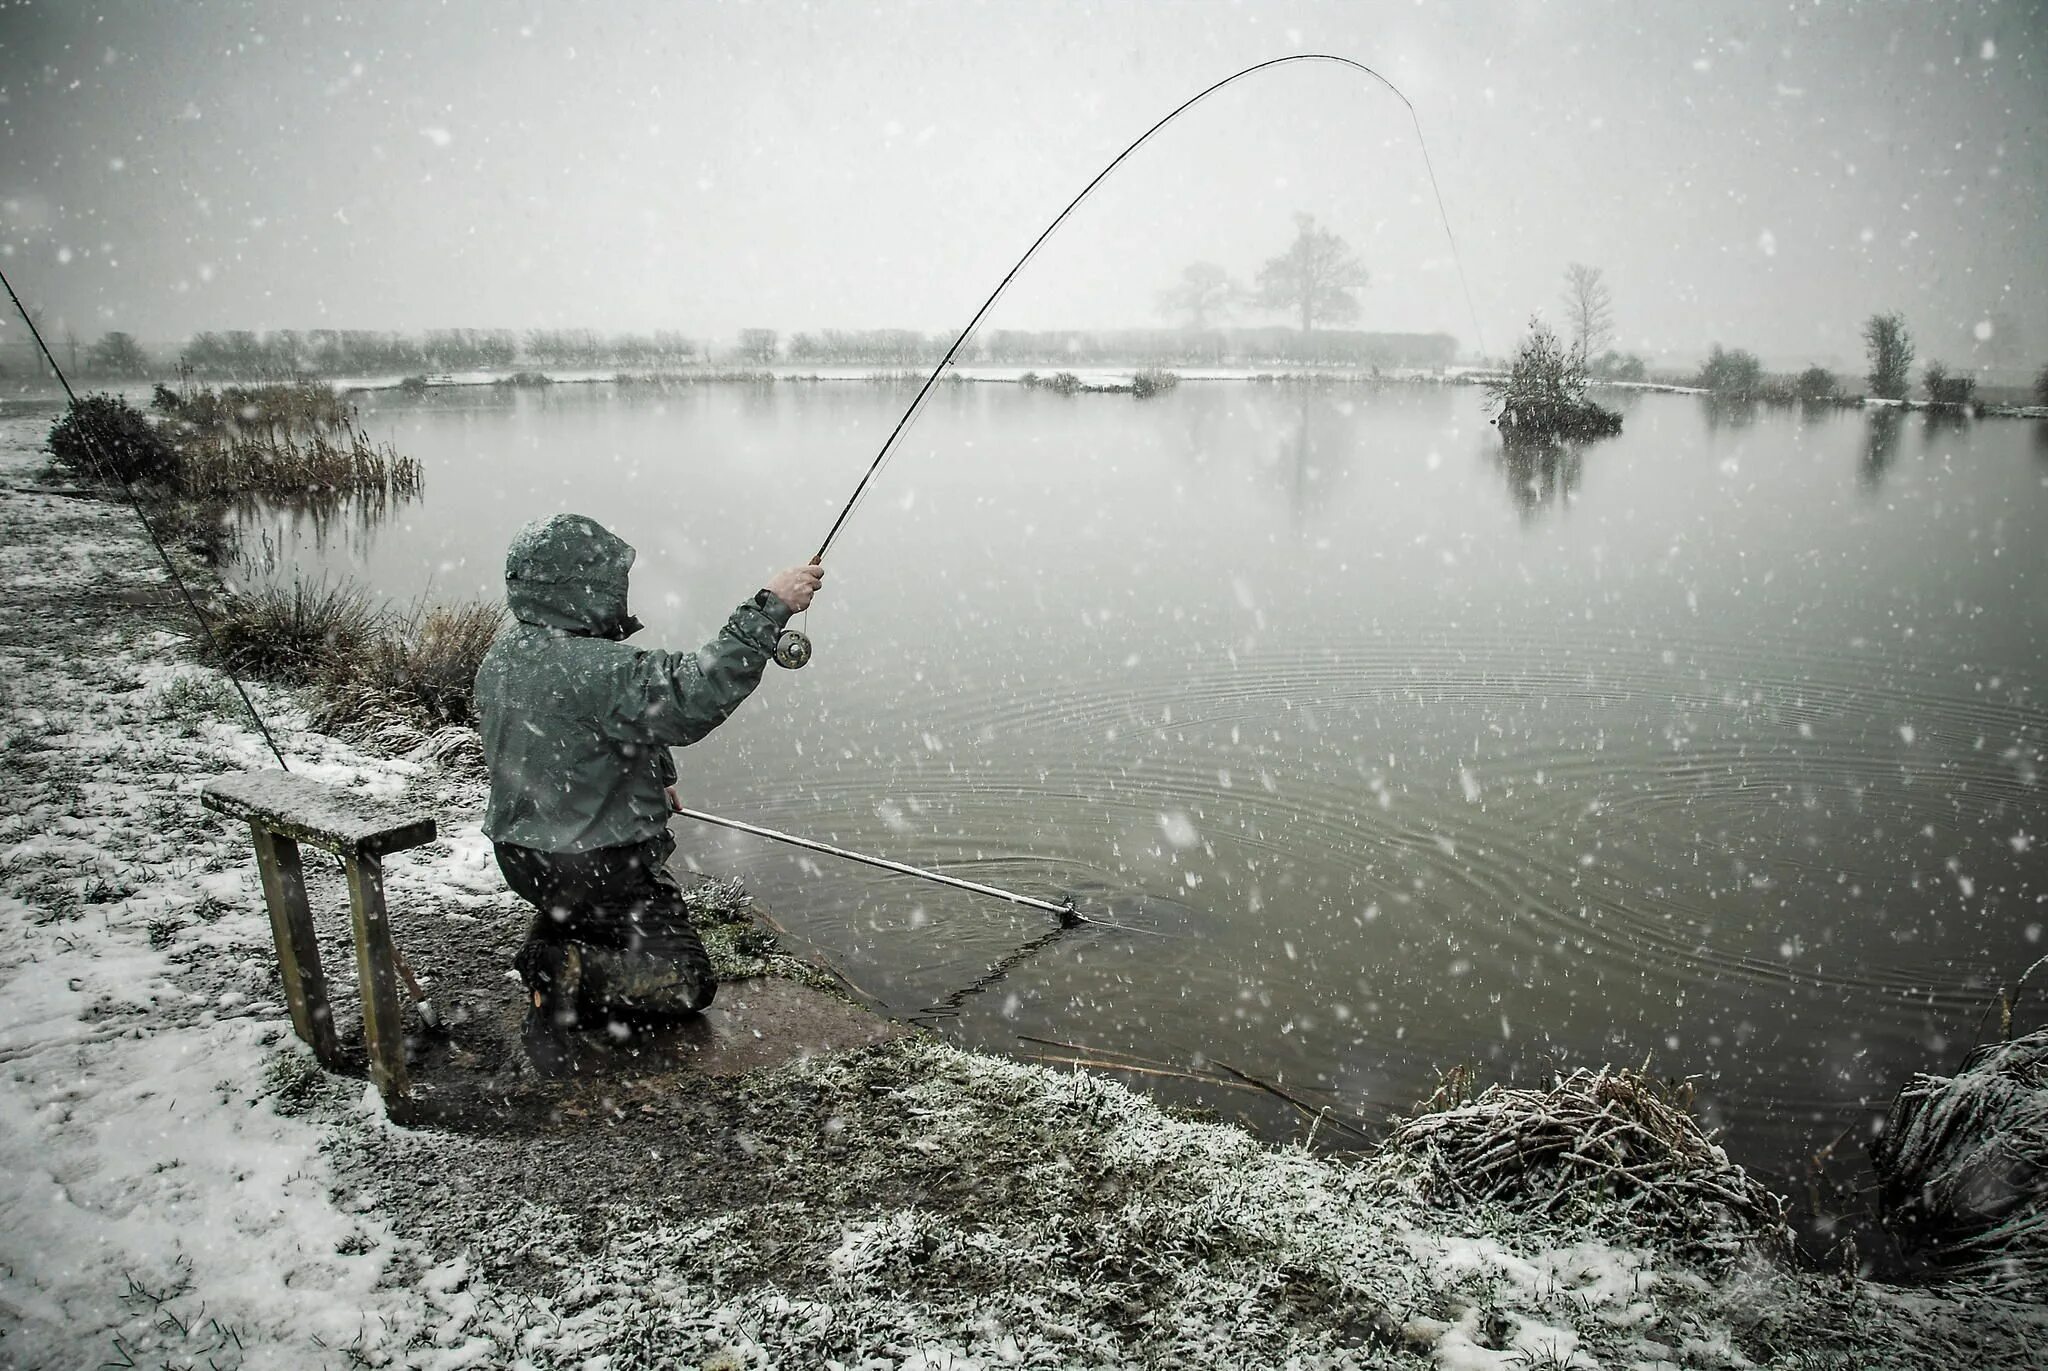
(793, 647)
(89, 435)
(1065, 912)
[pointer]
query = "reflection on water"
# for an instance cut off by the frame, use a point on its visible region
(1728, 411)
(1733, 769)
(1881, 443)
(273, 533)
(1539, 474)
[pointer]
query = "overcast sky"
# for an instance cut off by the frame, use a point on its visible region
(1760, 174)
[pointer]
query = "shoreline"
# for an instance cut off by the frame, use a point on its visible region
(1110, 379)
(167, 1149)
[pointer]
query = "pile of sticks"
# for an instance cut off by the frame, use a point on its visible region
(1616, 1146)
(1962, 1164)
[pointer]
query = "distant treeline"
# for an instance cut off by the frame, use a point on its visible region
(335, 352)
(1160, 347)
(283, 353)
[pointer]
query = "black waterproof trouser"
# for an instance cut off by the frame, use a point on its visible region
(615, 917)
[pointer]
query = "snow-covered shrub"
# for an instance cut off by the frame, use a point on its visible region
(1543, 396)
(103, 437)
(1153, 381)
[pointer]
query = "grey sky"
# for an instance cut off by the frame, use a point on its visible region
(1764, 175)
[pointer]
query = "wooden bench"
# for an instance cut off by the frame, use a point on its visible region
(284, 811)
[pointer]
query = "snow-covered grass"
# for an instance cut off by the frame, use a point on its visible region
(181, 1186)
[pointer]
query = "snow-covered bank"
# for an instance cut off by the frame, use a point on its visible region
(174, 1177)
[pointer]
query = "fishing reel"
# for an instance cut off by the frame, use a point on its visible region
(792, 649)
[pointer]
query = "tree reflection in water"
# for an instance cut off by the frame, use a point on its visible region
(269, 530)
(1540, 474)
(1881, 444)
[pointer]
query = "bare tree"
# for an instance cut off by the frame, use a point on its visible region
(1204, 290)
(1588, 310)
(1314, 278)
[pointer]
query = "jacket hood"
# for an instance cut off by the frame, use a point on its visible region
(569, 572)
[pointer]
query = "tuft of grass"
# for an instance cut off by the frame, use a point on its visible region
(191, 699)
(1153, 381)
(420, 664)
(100, 890)
(293, 633)
(292, 1081)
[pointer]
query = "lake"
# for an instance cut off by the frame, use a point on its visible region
(1716, 746)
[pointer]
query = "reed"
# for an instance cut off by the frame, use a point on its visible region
(337, 459)
(298, 405)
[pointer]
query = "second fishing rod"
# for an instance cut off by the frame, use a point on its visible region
(793, 647)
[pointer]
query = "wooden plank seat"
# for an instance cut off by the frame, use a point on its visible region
(283, 811)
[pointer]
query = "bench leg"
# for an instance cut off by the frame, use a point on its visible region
(298, 954)
(377, 969)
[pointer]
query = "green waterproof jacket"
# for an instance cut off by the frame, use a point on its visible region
(577, 724)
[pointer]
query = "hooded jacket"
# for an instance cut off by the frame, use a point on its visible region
(577, 724)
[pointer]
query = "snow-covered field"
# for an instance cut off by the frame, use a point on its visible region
(179, 1186)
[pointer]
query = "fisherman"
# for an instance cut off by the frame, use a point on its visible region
(577, 728)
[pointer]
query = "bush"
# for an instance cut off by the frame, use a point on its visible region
(1618, 366)
(103, 437)
(1816, 385)
(1733, 372)
(1153, 381)
(1060, 382)
(2041, 387)
(1543, 396)
(525, 380)
(293, 633)
(1944, 389)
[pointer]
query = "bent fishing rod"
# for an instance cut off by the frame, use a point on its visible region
(793, 647)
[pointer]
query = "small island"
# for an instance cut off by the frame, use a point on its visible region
(1542, 399)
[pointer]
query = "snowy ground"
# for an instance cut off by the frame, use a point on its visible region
(180, 1187)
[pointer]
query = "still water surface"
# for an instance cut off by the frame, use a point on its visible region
(1718, 745)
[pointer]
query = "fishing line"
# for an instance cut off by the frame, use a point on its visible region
(91, 440)
(917, 403)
